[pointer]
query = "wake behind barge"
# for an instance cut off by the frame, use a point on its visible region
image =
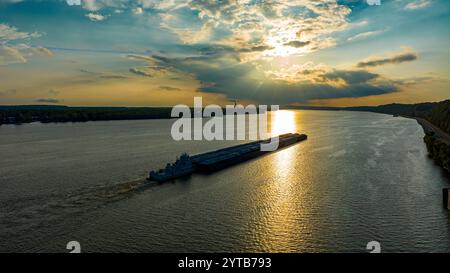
(219, 159)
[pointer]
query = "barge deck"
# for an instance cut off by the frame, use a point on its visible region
(216, 160)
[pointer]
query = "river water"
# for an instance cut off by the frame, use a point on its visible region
(359, 177)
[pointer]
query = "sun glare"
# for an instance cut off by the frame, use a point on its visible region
(283, 122)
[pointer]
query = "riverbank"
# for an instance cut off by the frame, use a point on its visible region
(437, 142)
(20, 114)
(439, 151)
(49, 114)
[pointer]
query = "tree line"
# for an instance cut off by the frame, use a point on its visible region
(18, 115)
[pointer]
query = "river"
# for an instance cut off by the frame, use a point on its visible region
(359, 177)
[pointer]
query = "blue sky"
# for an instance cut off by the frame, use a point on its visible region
(148, 52)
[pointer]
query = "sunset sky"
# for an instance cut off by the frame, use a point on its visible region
(162, 53)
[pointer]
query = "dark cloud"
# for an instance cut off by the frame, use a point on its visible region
(140, 72)
(258, 48)
(104, 75)
(405, 57)
(113, 77)
(211, 50)
(219, 51)
(48, 100)
(311, 71)
(351, 77)
(160, 69)
(140, 57)
(236, 82)
(161, 58)
(235, 79)
(281, 92)
(86, 71)
(169, 88)
(297, 44)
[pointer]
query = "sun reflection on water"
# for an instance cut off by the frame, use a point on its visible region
(283, 122)
(279, 228)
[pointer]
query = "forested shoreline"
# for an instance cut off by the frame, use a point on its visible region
(44, 114)
(439, 149)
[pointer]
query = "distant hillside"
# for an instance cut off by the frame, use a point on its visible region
(435, 112)
(416, 110)
(413, 110)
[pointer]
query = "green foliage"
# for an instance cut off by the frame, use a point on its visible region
(79, 114)
(46, 114)
(439, 151)
(440, 116)
(411, 110)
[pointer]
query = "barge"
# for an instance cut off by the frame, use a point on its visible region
(216, 160)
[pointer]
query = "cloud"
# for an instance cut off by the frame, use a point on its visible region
(73, 2)
(297, 44)
(364, 35)
(12, 51)
(417, 80)
(283, 92)
(351, 77)
(113, 76)
(138, 11)
(231, 48)
(86, 71)
(418, 4)
(47, 100)
(140, 72)
(96, 5)
(92, 5)
(220, 74)
(19, 53)
(261, 28)
(401, 58)
(95, 17)
(257, 48)
(140, 57)
(273, 23)
(169, 88)
(42, 51)
(103, 75)
(10, 1)
(359, 24)
(10, 55)
(8, 33)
